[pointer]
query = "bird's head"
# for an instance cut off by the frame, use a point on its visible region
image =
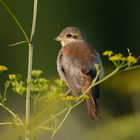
(70, 35)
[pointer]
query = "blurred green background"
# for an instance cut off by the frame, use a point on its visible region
(108, 25)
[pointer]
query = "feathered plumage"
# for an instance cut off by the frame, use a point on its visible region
(75, 64)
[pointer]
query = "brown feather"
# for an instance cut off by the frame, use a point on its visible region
(77, 50)
(91, 106)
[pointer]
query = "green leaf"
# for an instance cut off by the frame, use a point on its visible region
(18, 43)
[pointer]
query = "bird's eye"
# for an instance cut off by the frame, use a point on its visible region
(69, 35)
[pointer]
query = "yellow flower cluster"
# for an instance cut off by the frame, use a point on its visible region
(60, 83)
(12, 76)
(3, 68)
(131, 59)
(36, 73)
(18, 86)
(70, 98)
(119, 57)
(38, 84)
(108, 53)
(65, 97)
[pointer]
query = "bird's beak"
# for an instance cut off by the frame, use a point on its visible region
(58, 38)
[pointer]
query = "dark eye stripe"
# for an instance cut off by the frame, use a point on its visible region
(75, 36)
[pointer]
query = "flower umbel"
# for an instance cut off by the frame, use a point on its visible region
(17, 84)
(116, 57)
(36, 73)
(130, 58)
(108, 53)
(3, 68)
(121, 61)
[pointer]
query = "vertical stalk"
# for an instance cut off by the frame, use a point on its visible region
(28, 98)
(34, 20)
(29, 77)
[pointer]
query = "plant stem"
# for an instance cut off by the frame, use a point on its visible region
(131, 68)
(12, 113)
(5, 92)
(103, 79)
(55, 116)
(65, 117)
(43, 111)
(34, 20)
(15, 19)
(29, 77)
(6, 123)
(28, 97)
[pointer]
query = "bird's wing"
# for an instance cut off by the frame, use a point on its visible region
(72, 78)
(68, 73)
(71, 63)
(95, 90)
(92, 73)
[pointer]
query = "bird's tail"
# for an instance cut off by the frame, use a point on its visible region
(92, 107)
(91, 100)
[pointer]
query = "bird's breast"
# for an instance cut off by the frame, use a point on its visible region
(78, 51)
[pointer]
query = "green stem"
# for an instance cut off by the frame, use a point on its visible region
(58, 114)
(29, 77)
(5, 92)
(43, 111)
(6, 123)
(34, 20)
(15, 19)
(14, 123)
(78, 102)
(65, 117)
(45, 128)
(9, 123)
(108, 76)
(12, 113)
(30, 61)
(18, 43)
(103, 79)
(131, 68)
(28, 96)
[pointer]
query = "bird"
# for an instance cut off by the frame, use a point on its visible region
(76, 66)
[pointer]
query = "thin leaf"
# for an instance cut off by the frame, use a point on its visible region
(18, 43)
(15, 19)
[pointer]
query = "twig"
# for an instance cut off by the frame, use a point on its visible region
(65, 117)
(131, 68)
(18, 43)
(55, 116)
(6, 123)
(45, 128)
(12, 113)
(15, 19)
(103, 79)
(43, 111)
